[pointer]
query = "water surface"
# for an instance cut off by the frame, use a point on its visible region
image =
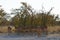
(5, 36)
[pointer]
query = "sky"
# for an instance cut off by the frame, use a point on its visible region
(8, 5)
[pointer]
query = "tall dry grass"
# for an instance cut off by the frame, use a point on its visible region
(53, 29)
(4, 29)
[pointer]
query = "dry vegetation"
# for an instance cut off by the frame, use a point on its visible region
(50, 29)
(26, 16)
(54, 29)
(4, 29)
